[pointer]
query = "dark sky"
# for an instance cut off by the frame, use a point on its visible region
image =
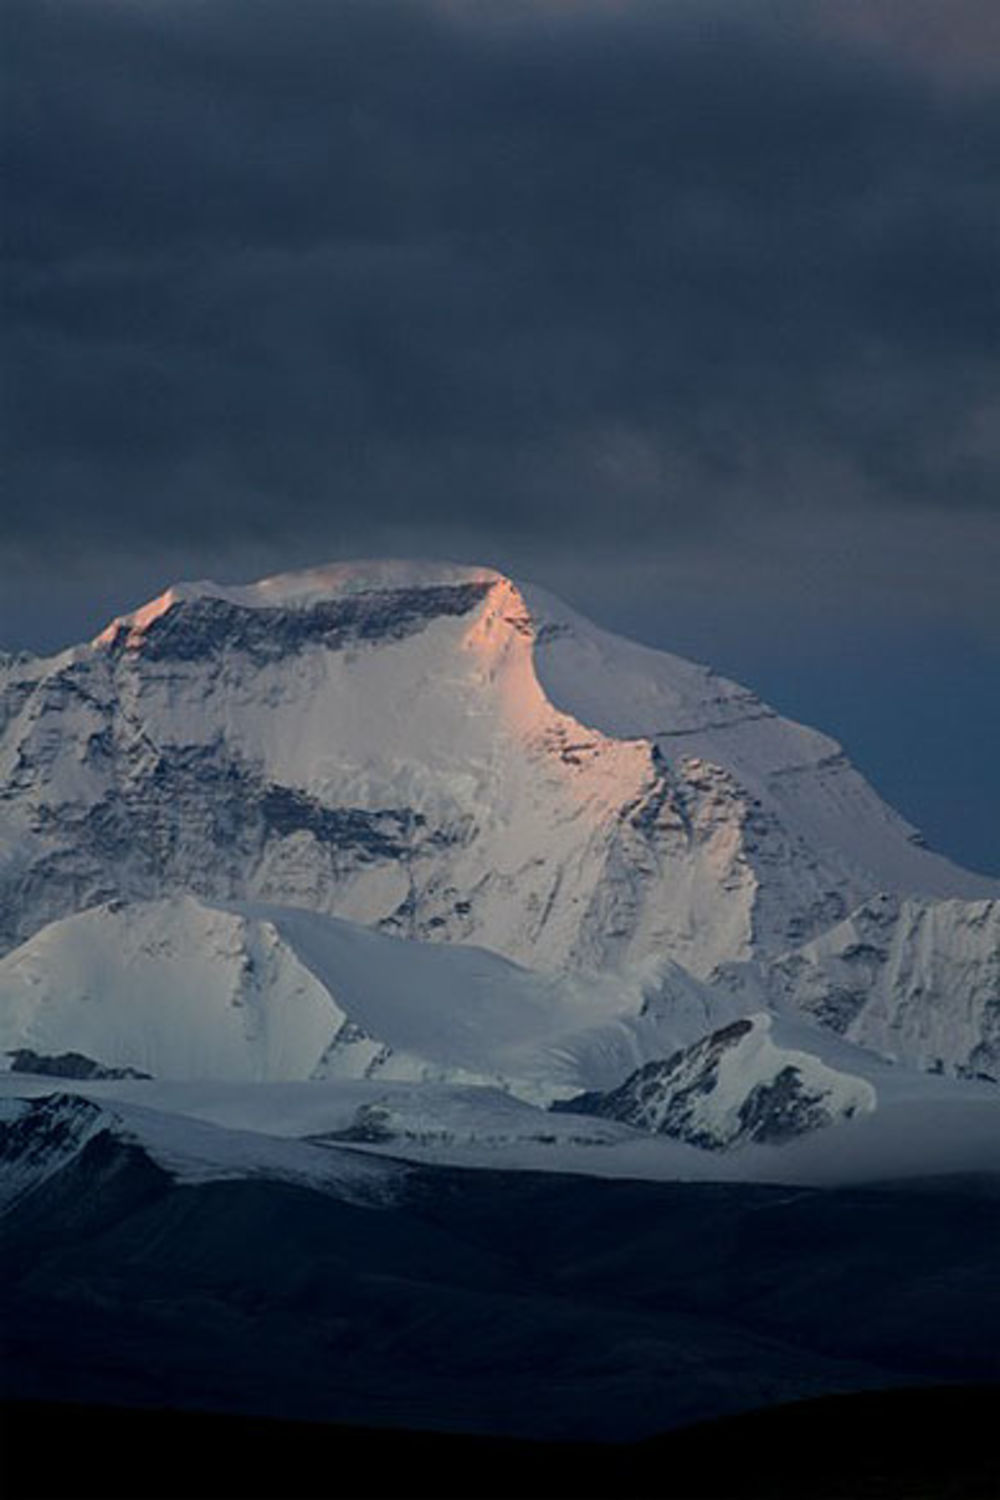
(689, 310)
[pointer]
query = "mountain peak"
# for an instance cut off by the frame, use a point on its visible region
(440, 752)
(301, 590)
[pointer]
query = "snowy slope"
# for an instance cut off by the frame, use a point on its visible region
(435, 751)
(178, 989)
(916, 981)
(172, 988)
(799, 775)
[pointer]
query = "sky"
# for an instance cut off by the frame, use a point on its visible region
(687, 310)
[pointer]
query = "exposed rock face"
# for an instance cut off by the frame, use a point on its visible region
(66, 1065)
(39, 1137)
(201, 629)
(732, 1087)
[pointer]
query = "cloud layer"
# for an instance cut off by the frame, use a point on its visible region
(710, 286)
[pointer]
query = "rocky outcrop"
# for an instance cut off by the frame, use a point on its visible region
(732, 1088)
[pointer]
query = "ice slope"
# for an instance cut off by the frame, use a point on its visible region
(441, 753)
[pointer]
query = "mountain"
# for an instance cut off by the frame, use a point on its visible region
(416, 823)
(440, 753)
(504, 1026)
(732, 1086)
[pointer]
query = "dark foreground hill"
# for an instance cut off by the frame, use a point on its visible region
(930, 1444)
(515, 1304)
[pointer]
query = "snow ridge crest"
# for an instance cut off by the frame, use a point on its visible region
(299, 590)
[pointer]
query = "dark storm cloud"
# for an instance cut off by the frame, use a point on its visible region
(501, 278)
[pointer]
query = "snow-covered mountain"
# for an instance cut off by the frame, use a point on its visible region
(443, 754)
(178, 989)
(733, 1086)
(417, 824)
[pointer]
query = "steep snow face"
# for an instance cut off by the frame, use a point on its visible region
(917, 981)
(791, 782)
(731, 1088)
(437, 752)
(173, 989)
